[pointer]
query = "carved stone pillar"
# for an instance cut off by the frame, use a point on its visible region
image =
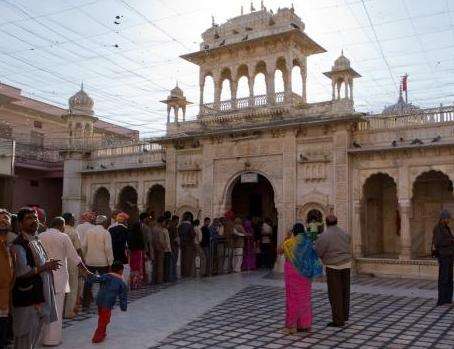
(346, 87)
(356, 232)
(304, 84)
(217, 93)
(168, 113)
(250, 81)
(338, 90)
(270, 91)
(176, 109)
(351, 89)
(405, 233)
(202, 87)
(288, 86)
(333, 86)
(233, 92)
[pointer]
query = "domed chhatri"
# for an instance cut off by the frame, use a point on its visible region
(177, 101)
(341, 63)
(176, 92)
(81, 103)
(342, 74)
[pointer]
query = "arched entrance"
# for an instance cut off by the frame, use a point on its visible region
(101, 202)
(432, 192)
(380, 227)
(252, 196)
(156, 201)
(127, 202)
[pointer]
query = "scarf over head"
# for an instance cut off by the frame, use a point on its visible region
(299, 250)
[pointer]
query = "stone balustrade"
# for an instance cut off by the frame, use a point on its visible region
(429, 116)
(255, 102)
(127, 157)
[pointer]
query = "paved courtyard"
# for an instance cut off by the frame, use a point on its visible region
(246, 311)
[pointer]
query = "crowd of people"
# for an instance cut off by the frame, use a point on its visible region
(47, 270)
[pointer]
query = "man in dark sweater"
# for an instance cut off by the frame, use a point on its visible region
(334, 249)
(443, 244)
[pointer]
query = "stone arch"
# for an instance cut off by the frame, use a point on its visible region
(207, 92)
(243, 70)
(364, 176)
(432, 191)
(380, 218)
(156, 201)
(227, 192)
(304, 210)
(188, 208)
(128, 202)
(101, 202)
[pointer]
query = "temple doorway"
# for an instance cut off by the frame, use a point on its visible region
(252, 196)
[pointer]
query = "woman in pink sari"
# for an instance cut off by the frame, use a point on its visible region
(301, 265)
(249, 246)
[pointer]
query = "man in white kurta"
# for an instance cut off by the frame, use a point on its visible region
(59, 246)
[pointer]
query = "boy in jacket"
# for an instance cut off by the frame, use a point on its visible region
(111, 287)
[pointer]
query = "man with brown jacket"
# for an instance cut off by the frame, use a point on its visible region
(6, 276)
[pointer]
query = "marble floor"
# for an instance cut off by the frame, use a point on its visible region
(247, 311)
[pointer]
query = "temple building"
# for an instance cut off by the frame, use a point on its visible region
(385, 176)
(32, 134)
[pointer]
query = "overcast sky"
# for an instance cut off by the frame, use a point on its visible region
(48, 47)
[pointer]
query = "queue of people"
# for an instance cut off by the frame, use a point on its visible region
(47, 269)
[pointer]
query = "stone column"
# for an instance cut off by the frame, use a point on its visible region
(341, 174)
(175, 111)
(251, 81)
(338, 90)
(270, 91)
(217, 93)
(233, 92)
(72, 200)
(286, 205)
(288, 85)
(333, 85)
(405, 232)
(346, 87)
(171, 178)
(207, 192)
(356, 229)
(202, 87)
(304, 83)
(351, 89)
(168, 114)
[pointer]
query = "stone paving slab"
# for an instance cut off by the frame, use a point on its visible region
(254, 318)
(132, 296)
(381, 282)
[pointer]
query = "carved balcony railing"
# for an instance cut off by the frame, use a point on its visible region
(423, 117)
(126, 157)
(279, 98)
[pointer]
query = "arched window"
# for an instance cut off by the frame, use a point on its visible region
(208, 90)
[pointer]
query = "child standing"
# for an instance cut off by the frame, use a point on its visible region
(111, 287)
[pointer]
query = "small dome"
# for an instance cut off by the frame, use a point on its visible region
(176, 92)
(341, 63)
(81, 103)
(400, 108)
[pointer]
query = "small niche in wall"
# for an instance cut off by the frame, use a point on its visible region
(34, 183)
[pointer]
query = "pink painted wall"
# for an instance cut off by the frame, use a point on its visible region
(46, 195)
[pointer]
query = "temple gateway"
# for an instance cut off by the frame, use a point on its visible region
(385, 176)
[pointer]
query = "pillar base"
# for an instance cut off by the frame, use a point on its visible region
(279, 264)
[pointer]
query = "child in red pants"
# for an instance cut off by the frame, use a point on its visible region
(111, 287)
